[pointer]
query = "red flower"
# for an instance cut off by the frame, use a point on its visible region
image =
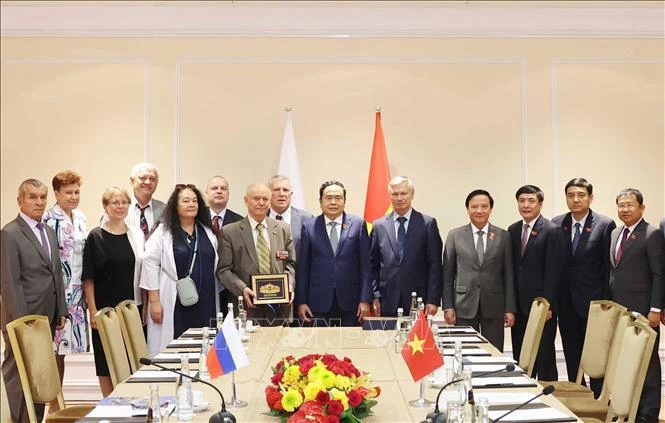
(289, 358)
(355, 398)
(309, 412)
(323, 397)
(306, 363)
(332, 419)
(277, 378)
(378, 391)
(329, 359)
(335, 407)
(274, 398)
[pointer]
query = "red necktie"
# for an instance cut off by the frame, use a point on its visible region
(623, 241)
(525, 239)
(215, 225)
(143, 222)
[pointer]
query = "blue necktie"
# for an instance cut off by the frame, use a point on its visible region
(401, 236)
(576, 237)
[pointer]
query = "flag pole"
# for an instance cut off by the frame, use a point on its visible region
(235, 402)
(421, 401)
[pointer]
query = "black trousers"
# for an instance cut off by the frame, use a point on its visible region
(335, 316)
(545, 366)
(650, 399)
(573, 331)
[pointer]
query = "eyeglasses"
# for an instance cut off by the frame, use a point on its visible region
(145, 178)
(117, 203)
(183, 186)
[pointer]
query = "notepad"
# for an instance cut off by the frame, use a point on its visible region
(156, 376)
(185, 343)
(490, 367)
(475, 351)
(501, 382)
(457, 329)
(445, 339)
(175, 357)
(495, 359)
(507, 399)
(547, 414)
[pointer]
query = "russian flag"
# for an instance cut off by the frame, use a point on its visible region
(227, 353)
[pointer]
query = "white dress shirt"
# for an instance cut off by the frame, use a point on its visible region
(485, 230)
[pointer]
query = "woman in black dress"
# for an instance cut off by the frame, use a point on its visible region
(111, 270)
(183, 241)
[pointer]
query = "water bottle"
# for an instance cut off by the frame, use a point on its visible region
(413, 311)
(220, 320)
(482, 410)
(154, 408)
(205, 347)
(419, 302)
(440, 373)
(241, 320)
(184, 396)
(458, 364)
(466, 387)
(430, 324)
(398, 328)
(229, 308)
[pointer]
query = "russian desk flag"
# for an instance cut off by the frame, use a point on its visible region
(227, 353)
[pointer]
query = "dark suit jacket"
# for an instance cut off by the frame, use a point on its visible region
(467, 283)
(419, 270)
(637, 281)
(585, 276)
(33, 283)
(231, 217)
(237, 253)
(318, 267)
(298, 217)
(538, 271)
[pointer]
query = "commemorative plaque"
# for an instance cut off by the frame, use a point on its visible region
(271, 289)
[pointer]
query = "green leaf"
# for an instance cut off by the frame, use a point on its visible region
(274, 413)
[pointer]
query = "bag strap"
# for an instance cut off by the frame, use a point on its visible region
(196, 249)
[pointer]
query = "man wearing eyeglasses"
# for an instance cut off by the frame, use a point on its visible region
(144, 211)
(637, 281)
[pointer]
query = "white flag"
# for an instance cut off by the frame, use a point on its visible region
(288, 163)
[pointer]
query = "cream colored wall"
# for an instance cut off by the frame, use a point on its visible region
(458, 114)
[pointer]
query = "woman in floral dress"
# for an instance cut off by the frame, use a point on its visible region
(71, 230)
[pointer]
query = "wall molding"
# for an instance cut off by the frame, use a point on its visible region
(97, 60)
(393, 60)
(334, 19)
(554, 106)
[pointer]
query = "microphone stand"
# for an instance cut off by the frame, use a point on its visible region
(222, 416)
(546, 391)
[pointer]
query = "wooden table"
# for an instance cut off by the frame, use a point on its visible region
(371, 351)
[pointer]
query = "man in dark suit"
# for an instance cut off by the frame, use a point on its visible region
(405, 255)
(217, 196)
(538, 261)
(478, 283)
(333, 264)
(586, 270)
(637, 281)
(281, 209)
(257, 244)
(32, 282)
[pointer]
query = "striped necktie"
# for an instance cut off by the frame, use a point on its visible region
(262, 250)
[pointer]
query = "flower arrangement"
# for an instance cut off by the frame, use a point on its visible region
(320, 388)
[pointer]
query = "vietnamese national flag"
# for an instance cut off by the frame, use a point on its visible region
(420, 351)
(377, 201)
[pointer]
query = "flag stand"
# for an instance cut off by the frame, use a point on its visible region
(421, 402)
(235, 402)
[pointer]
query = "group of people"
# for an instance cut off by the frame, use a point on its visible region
(340, 269)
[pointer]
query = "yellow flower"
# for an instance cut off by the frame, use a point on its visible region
(291, 400)
(327, 378)
(312, 389)
(314, 373)
(340, 395)
(291, 375)
(342, 382)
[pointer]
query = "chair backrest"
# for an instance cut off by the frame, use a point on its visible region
(132, 332)
(534, 331)
(32, 344)
(625, 318)
(600, 328)
(108, 325)
(634, 355)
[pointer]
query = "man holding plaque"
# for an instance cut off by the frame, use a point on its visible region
(257, 260)
(333, 271)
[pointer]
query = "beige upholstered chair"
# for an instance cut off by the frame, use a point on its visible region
(601, 324)
(108, 324)
(132, 332)
(597, 408)
(534, 331)
(32, 344)
(634, 355)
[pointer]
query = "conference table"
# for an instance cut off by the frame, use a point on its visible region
(371, 350)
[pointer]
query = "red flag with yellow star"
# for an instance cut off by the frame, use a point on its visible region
(420, 351)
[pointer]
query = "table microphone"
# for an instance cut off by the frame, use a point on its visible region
(438, 417)
(546, 391)
(220, 417)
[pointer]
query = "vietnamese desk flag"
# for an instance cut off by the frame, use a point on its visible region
(377, 201)
(420, 351)
(227, 353)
